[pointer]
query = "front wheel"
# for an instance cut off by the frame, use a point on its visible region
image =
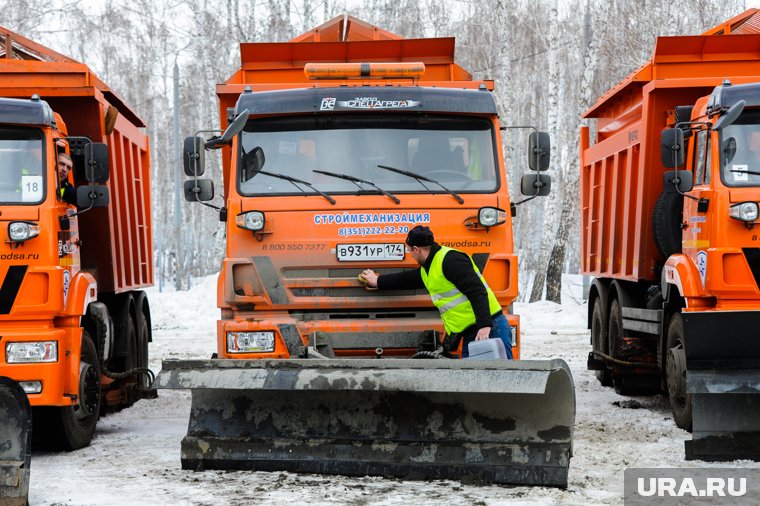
(675, 368)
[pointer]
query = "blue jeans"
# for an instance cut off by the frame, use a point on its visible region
(499, 329)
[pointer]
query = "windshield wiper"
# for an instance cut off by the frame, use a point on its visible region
(357, 180)
(420, 179)
(745, 171)
(295, 180)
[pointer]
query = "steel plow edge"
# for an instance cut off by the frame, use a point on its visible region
(507, 422)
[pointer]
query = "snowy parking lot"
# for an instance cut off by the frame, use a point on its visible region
(134, 458)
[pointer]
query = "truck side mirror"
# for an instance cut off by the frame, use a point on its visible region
(671, 147)
(536, 185)
(253, 161)
(731, 115)
(232, 130)
(679, 180)
(539, 150)
(728, 150)
(193, 156)
(92, 196)
(96, 162)
(199, 190)
(235, 127)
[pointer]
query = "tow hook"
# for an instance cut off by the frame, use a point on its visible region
(378, 353)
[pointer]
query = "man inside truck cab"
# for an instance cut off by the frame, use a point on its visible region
(66, 191)
(434, 154)
(468, 307)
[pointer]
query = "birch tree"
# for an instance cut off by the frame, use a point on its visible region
(550, 205)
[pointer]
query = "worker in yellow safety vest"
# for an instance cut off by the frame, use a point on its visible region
(468, 307)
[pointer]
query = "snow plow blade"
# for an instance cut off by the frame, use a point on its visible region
(477, 421)
(15, 443)
(724, 383)
(725, 421)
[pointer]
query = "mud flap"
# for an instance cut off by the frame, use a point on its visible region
(476, 421)
(15, 443)
(725, 420)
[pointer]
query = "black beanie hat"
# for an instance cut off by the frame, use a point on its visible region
(420, 236)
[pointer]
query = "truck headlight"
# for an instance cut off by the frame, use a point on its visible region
(491, 216)
(30, 352)
(746, 211)
(252, 220)
(250, 342)
(20, 231)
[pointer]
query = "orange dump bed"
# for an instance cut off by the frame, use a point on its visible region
(280, 65)
(122, 259)
(622, 174)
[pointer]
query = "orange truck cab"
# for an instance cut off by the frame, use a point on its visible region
(343, 140)
(74, 326)
(669, 199)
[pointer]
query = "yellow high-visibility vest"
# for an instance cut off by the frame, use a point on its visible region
(455, 308)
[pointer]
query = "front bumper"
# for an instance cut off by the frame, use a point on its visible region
(59, 379)
(343, 337)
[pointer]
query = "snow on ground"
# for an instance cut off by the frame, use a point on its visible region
(134, 458)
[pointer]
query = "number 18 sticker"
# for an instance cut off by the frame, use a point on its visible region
(31, 188)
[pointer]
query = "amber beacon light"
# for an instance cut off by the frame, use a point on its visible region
(357, 70)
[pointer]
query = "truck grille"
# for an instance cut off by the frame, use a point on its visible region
(291, 276)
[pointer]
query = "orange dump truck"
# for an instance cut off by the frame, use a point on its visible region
(669, 198)
(344, 139)
(74, 253)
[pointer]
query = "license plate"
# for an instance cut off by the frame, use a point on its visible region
(372, 252)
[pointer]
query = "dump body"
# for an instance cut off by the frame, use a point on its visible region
(123, 231)
(622, 172)
(324, 179)
(676, 301)
(73, 268)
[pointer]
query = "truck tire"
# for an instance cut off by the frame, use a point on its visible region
(141, 347)
(615, 342)
(675, 370)
(72, 427)
(598, 340)
(131, 359)
(666, 223)
(124, 330)
(614, 328)
(121, 307)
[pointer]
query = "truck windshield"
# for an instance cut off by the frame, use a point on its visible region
(21, 166)
(457, 151)
(740, 151)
